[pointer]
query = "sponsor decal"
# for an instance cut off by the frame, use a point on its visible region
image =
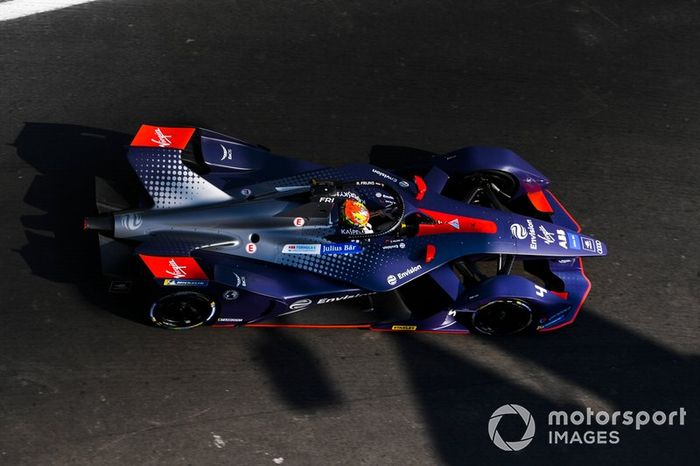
(367, 183)
(539, 291)
(574, 241)
(454, 223)
(525, 416)
(351, 231)
(384, 175)
(561, 237)
(231, 295)
(598, 247)
(173, 267)
(181, 282)
(163, 139)
(404, 327)
(227, 153)
(327, 200)
(404, 184)
(400, 245)
(348, 194)
(518, 231)
(240, 280)
(229, 319)
(341, 248)
(409, 271)
(546, 235)
(251, 248)
(132, 222)
(533, 235)
(301, 249)
(392, 279)
(341, 298)
(300, 304)
(299, 222)
(246, 192)
(177, 271)
(587, 244)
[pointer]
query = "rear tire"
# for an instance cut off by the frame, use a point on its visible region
(182, 310)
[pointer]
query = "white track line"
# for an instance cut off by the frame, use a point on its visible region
(19, 8)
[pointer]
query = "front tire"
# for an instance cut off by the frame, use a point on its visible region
(502, 317)
(182, 310)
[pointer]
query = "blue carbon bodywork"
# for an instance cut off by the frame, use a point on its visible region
(267, 233)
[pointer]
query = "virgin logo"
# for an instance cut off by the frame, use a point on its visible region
(178, 271)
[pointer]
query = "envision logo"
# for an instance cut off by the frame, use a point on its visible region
(527, 435)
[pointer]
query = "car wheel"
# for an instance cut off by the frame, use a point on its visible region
(180, 311)
(502, 317)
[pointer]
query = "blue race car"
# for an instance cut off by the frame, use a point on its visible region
(227, 233)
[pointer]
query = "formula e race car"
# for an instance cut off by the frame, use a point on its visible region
(226, 233)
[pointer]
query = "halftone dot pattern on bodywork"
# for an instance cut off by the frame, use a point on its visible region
(169, 182)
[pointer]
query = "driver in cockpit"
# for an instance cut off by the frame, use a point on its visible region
(355, 214)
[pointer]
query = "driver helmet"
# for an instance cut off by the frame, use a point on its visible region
(354, 213)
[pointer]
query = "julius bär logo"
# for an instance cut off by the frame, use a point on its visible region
(506, 410)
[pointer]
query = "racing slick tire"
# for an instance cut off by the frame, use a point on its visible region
(502, 317)
(182, 310)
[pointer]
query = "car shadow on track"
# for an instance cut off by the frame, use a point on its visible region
(68, 158)
(296, 372)
(603, 358)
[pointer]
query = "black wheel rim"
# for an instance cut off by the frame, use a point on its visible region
(503, 317)
(181, 311)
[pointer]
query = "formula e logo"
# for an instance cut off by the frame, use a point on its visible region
(561, 236)
(226, 153)
(518, 231)
(588, 244)
(163, 140)
(391, 280)
(300, 304)
(527, 419)
(132, 221)
(178, 271)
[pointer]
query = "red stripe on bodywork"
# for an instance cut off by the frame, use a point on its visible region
(429, 253)
(330, 326)
(162, 136)
(449, 223)
(173, 267)
(540, 202)
(422, 187)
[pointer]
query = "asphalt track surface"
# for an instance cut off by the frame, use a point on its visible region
(603, 97)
